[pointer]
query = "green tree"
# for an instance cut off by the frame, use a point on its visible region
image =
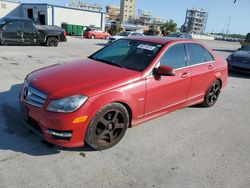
(169, 26)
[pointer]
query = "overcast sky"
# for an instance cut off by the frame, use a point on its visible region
(220, 11)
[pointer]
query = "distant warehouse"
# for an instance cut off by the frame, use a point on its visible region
(48, 14)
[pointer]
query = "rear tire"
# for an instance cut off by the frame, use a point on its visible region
(52, 42)
(212, 94)
(108, 126)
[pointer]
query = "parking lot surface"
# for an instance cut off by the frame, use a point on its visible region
(192, 147)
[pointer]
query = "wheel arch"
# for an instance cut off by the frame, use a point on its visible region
(48, 36)
(219, 79)
(116, 97)
(129, 111)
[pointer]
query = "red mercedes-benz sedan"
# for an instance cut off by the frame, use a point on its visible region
(126, 83)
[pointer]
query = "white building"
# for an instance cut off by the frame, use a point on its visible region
(8, 8)
(48, 14)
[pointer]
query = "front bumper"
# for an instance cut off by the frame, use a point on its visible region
(55, 128)
(238, 66)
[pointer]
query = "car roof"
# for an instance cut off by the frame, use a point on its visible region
(10, 18)
(161, 40)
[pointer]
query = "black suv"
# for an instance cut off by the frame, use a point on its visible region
(16, 30)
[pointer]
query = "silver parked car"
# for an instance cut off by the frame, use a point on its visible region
(124, 34)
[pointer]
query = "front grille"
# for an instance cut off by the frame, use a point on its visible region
(33, 96)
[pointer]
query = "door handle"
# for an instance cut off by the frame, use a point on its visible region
(185, 74)
(210, 66)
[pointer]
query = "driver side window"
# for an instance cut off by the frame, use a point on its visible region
(174, 57)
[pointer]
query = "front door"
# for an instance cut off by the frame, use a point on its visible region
(169, 91)
(29, 34)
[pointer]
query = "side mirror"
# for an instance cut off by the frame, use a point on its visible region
(163, 71)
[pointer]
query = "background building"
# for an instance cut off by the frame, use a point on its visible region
(113, 12)
(127, 10)
(195, 22)
(48, 14)
(159, 21)
(85, 6)
(8, 8)
(144, 17)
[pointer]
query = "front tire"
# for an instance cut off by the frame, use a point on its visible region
(212, 94)
(52, 42)
(108, 126)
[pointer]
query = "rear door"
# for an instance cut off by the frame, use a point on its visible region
(169, 91)
(11, 32)
(202, 65)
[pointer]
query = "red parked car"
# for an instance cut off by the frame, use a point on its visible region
(124, 84)
(96, 34)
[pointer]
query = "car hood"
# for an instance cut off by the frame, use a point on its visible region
(242, 55)
(49, 28)
(86, 77)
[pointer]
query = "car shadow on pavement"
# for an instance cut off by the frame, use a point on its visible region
(15, 136)
(234, 74)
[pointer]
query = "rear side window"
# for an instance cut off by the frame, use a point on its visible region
(13, 26)
(195, 53)
(174, 57)
(208, 56)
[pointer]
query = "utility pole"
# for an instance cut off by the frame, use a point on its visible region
(228, 24)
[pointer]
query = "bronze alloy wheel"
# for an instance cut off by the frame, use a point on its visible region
(108, 126)
(212, 94)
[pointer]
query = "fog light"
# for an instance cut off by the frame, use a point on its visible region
(63, 134)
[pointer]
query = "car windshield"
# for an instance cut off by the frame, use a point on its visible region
(246, 48)
(131, 54)
(124, 34)
(2, 21)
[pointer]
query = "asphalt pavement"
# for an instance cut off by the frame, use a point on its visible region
(193, 147)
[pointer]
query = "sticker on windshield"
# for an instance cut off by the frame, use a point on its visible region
(146, 47)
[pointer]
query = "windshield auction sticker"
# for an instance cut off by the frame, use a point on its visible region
(146, 47)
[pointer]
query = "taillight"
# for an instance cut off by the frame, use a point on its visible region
(64, 33)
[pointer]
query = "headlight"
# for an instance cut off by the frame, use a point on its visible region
(67, 104)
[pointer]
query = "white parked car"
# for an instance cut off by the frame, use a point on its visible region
(124, 34)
